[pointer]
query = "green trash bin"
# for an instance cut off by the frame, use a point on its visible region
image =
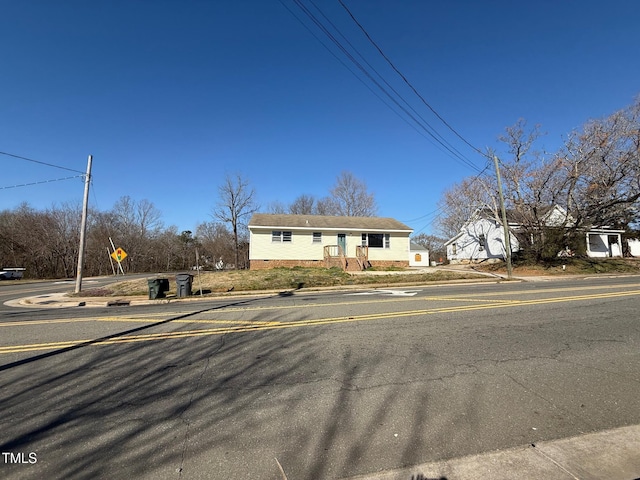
(158, 287)
(183, 284)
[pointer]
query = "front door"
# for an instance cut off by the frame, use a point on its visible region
(342, 244)
(614, 246)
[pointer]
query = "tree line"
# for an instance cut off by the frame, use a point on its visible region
(46, 242)
(594, 176)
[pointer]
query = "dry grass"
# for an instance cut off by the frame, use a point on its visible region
(278, 279)
(572, 266)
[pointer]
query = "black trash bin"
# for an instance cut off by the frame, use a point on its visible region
(158, 287)
(183, 284)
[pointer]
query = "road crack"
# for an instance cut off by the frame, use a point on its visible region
(187, 432)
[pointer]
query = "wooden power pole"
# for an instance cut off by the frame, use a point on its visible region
(83, 225)
(505, 225)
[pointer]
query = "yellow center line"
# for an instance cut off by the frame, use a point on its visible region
(271, 325)
(124, 320)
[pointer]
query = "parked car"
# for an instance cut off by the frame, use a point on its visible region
(11, 273)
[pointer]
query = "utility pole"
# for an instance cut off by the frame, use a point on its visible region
(505, 225)
(83, 226)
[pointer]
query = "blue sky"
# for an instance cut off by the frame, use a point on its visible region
(170, 96)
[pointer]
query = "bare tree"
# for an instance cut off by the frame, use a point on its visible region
(350, 198)
(519, 141)
(460, 201)
(605, 158)
(137, 225)
(434, 244)
(217, 244)
(303, 205)
(327, 206)
(277, 207)
(236, 203)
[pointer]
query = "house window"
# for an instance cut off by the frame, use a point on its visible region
(317, 237)
(376, 240)
(280, 236)
(483, 241)
(454, 248)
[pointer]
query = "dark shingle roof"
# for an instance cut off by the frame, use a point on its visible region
(320, 222)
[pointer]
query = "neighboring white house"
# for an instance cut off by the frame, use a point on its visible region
(353, 243)
(418, 255)
(482, 237)
(634, 247)
(479, 239)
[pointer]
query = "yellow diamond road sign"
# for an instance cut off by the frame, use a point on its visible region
(119, 255)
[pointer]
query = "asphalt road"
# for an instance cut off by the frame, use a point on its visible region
(332, 385)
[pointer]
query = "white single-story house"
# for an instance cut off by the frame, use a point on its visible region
(634, 247)
(418, 255)
(352, 243)
(482, 237)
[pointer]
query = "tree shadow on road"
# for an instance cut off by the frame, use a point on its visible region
(324, 402)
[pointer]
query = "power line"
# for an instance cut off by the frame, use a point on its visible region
(428, 128)
(344, 64)
(433, 130)
(424, 125)
(440, 210)
(435, 212)
(41, 182)
(407, 81)
(41, 163)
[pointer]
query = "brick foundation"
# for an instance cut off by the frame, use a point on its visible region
(389, 263)
(266, 264)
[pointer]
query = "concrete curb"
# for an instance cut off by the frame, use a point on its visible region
(609, 454)
(61, 300)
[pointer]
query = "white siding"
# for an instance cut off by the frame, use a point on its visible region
(558, 217)
(419, 258)
(302, 247)
(398, 249)
(467, 245)
(599, 246)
